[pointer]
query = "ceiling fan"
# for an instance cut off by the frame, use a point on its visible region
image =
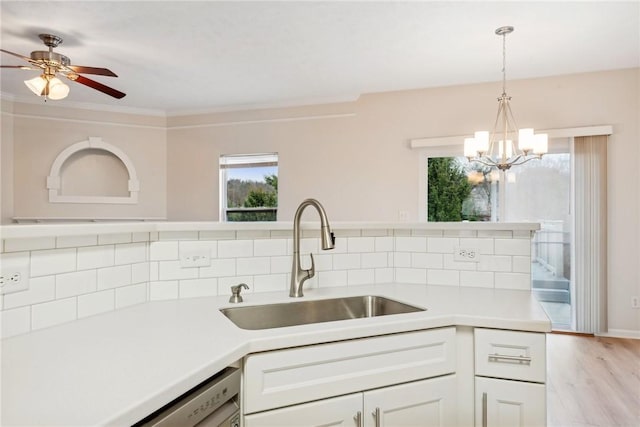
(51, 64)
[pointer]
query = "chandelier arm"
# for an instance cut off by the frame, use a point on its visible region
(527, 159)
(489, 163)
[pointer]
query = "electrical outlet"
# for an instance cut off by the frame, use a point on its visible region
(635, 302)
(195, 259)
(14, 273)
(466, 254)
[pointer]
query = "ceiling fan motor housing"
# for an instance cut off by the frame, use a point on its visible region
(50, 58)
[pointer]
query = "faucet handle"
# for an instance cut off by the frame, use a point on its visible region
(312, 271)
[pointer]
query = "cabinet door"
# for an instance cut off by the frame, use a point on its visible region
(337, 411)
(505, 403)
(426, 403)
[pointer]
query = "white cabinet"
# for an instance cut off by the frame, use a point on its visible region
(422, 403)
(510, 376)
(286, 377)
(426, 403)
(504, 403)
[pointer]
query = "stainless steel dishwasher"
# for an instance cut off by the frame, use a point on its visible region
(214, 403)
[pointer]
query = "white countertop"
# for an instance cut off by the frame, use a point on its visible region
(116, 368)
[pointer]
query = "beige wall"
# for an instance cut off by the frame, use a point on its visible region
(41, 133)
(354, 157)
(6, 161)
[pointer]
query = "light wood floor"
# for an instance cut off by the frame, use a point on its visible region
(593, 381)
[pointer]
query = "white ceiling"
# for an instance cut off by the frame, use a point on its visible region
(178, 57)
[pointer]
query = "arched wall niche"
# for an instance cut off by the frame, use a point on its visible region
(54, 180)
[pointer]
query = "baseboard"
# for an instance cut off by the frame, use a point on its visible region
(621, 333)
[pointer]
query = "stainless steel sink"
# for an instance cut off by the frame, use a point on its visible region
(316, 311)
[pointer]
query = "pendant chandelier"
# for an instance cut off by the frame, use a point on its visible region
(506, 145)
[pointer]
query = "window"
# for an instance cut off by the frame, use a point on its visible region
(249, 187)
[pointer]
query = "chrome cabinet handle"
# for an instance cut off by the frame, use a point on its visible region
(520, 359)
(358, 419)
(376, 417)
(484, 410)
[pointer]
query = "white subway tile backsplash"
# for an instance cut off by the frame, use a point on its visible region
(178, 235)
(383, 244)
(29, 244)
(411, 275)
(95, 303)
(444, 245)
(191, 247)
(53, 261)
(505, 234)
(401, 259)
(494, 263)
(53, 313)
(219, 268)
(512, 247)
(140, 237)
(374, 260)
(16, 321)
(451, 264)
(140, 272)
(163, 251)
(411, 244)
(114, 238)
(96, 257)
(323, 261)
(270, 282)
(334, 278)
(384, 275)
(253, 234)
(477, 279)
(154, 271)
(426, 260)
(521, 264)
(76, 241)
(41, 289)
(361, 277)
(163, 290)
(360, 244)
(375, 233)
(92, 274)
(443, 277)
(484, 246)
(253, 266)
(460, 233)
(131, 295)
(130, 253)
(235, 248)
(217, 235)
(76, 283)
(346, 261)
(512, 281)
(198, 288)
(270, 247)
(171, 270)
(282, 264)
(113, 277)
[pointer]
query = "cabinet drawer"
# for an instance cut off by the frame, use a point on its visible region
(297, 375)
(511, 354)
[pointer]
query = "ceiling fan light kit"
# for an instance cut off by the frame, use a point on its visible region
(51, 64)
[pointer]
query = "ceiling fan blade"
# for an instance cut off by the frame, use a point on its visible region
(97, 86)
(92, 70)
(22, 67)
(16, 54)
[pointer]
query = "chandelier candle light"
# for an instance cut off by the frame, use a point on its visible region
(483, 146)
